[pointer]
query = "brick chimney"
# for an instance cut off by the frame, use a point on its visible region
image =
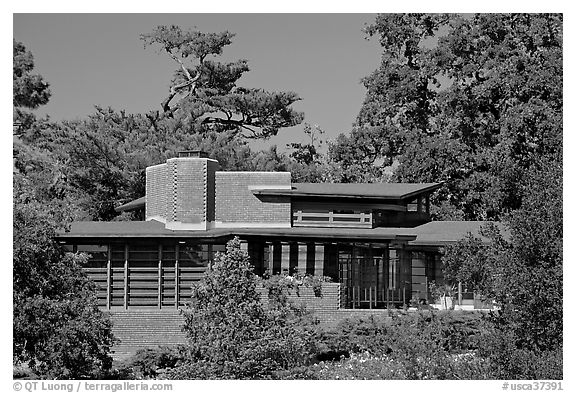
(181, 192)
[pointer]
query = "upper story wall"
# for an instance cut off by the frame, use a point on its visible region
(237, 206)
(189, 193)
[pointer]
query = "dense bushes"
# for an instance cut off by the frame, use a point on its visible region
(151, 363)
(409, 346)
(430, 345)
(426, 345)
(231, 335)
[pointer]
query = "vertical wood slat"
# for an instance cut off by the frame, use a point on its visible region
(310, 258)
(177, 276)
(302, 253)
(126, 276)
(285, 257)
(376, 276)
(109, 278)
(370, 296)
(159, 275)
(319, 259)
(270, 255)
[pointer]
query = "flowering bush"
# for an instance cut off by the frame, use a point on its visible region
(281, 285)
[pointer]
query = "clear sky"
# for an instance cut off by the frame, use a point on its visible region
(98, 59)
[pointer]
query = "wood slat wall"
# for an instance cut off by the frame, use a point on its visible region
(134, 278)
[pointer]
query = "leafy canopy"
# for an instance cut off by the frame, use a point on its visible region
(29, 90)
(523, 272)
(473, 101)
(58, 329)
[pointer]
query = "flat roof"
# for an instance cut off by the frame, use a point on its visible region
(393, 191)
(435, 233)
(156, 229)
(383, 191)
(438, 233)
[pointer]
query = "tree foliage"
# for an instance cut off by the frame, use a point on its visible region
(522, 272)
(473, 101)
(204, 93)
(99, 162)
(58, 329)
(29, 90)
(231, 334)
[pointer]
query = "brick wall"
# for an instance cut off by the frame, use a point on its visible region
(182, 190)
(327, 307)
(212, 167)
(329, 301)
(192, 191)
(189, 189)
(139, 328)
(157, 186)
(235, 202)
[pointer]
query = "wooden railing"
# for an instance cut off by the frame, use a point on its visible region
(331, 219)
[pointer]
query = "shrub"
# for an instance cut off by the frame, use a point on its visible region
(424, 345)
(230, 334)
(430, 345)
(281, 285)
(508, 360)
(151, 363)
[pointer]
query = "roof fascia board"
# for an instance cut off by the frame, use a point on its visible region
(302, 194)
(422, 191)
(209, 235)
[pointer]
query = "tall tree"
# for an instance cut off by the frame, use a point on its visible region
(473, 101)
(204, 94)
(102, 159)
(59, 332)
(522, 271)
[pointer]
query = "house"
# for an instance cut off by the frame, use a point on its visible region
(375, 241)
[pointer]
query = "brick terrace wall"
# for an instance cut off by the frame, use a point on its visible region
(327, 307)
(236, 203)
(157, 185)
(137, 329)
(141, 328)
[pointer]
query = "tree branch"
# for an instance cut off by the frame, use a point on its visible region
(237, 123)
(190, 83)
